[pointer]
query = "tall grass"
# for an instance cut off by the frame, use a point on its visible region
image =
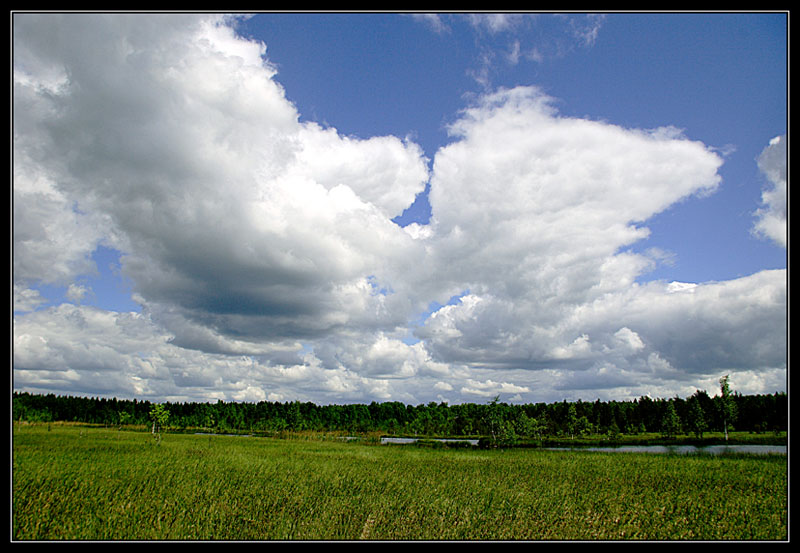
(81, 483)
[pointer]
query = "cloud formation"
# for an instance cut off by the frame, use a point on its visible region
(231, 213)
(771, 218)
(263, 252)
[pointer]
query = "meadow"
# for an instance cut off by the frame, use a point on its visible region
(76, 482)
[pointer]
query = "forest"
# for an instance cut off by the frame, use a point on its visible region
(693, 415)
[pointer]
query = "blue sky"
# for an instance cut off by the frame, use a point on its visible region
(415, 207)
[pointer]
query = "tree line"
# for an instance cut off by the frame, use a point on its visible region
(693, 415)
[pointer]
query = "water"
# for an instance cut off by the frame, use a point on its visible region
(679, 449)
(386, 440)
(222, 434)
(684, 449)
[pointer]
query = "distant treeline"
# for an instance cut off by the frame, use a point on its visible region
(696, 414)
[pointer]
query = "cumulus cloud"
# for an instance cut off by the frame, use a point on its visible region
(87, 350)
(771, 218)
(26, 299)
(52, 240)
(533, 212)
(263, 252)
(231, 214)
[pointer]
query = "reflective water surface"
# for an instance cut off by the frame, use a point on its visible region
(680, 449)
(684, 449)
(387, 440)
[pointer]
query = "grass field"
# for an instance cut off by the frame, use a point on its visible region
(81, 483)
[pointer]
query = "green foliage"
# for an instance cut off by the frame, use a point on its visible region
(496, 420)
(89, 483)
(727, 405)
(696, 420)
(159, 415)
(671, 424)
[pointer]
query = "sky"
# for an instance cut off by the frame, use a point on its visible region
(413, 207)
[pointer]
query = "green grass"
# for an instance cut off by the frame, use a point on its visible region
(81, 483)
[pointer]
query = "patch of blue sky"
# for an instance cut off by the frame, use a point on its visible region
(418, 212)
(377, 287)
(106, 289)
(110, 289)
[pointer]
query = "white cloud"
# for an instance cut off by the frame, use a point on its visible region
(383, 171)
(676, 286)
(587, 29)
(52, 240)
(26, 299)
(490, 388)
(629, 339)
(706, 328)
(86, 350)
(506, 39)
(771, 218)
(533, 212)
(230, 213)
(495, 22)
(432, 20)
(76, 292)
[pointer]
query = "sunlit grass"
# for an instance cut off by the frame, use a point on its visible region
(102, 484)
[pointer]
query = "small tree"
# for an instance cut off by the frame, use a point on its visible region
(572, 420)
(613, 430)
(502, 431)
(670, 424)
(727, 406)
(493, 419)
(696, 422)
(159, 415)
(122, 419)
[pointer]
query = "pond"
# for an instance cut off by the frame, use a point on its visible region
(222, 434)
(387, 440)
(684, 449)
(676, 449)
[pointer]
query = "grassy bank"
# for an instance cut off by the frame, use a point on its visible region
(72, 482)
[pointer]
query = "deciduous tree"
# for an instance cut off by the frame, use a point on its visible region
(159, 415)
(727, 406)
(670, 424)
